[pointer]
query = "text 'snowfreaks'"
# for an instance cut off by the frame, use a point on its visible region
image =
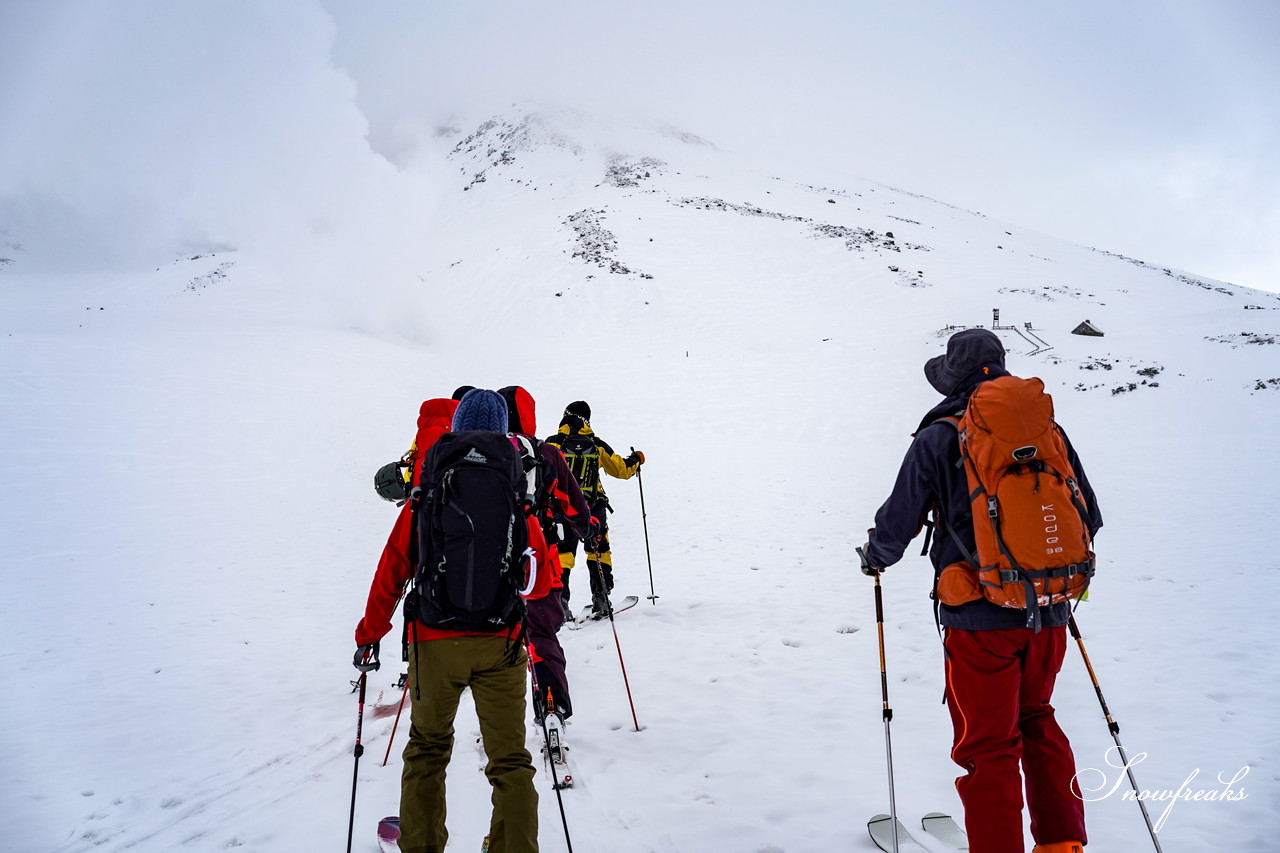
(1227, 787)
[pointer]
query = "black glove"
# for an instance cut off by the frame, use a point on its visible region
(593, 529)
(636, 458)
(366, 659)
(867, 569)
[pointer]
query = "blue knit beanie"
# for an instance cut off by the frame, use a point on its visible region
(481, 409)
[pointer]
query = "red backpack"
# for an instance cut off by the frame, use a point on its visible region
(544, 568)
(1029, 517)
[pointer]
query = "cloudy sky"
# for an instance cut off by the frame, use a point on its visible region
(1146, 127)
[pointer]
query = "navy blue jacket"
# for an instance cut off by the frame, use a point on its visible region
(930, 477)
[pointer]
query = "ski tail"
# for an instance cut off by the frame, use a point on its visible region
(389, 834)
(943, 828)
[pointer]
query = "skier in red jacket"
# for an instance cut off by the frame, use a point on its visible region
(544, 615)
(442, 663)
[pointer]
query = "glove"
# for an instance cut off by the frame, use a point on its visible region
(366, 658)
(593, 528)
(867, 569)
(636, 458)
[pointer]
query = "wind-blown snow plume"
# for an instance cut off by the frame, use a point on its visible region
(134, 131)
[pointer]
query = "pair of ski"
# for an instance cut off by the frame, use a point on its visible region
(588, 615)
(936, 825)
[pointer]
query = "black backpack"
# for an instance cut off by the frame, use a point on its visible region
(472, 538)
(582, 455)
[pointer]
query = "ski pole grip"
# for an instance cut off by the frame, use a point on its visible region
(865, 564)
(366, 658)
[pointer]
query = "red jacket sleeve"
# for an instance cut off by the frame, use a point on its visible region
(395, 569)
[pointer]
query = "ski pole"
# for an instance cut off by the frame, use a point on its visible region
(887, 713)
(366, 660)
(644, 517)
(1114, 728)
(394, 725)
(609, 609)
(546, 742)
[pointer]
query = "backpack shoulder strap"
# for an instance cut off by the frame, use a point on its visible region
(939, 518)
(530, 460)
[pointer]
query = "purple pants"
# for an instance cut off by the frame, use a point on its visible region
(542, 620)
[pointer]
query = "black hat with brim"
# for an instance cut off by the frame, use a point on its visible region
(967, 351)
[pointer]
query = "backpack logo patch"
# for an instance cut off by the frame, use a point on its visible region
(475, 456)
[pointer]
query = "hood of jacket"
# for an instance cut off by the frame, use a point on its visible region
(522, 414)
(436, 413)
(435, 418)
(574, 425)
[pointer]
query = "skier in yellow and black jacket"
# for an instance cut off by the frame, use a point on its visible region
(587, 455)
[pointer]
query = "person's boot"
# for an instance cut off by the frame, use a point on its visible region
(1060, 847)
(600, 607)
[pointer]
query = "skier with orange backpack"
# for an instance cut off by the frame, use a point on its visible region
(1012, 529)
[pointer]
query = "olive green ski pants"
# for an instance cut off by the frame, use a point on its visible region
(440, 670)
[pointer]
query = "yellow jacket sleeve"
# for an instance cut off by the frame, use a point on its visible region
(616, 466)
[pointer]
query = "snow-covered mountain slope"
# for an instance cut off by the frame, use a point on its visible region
(190, 531)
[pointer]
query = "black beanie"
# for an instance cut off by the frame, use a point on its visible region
(462, 391)
(579, 408)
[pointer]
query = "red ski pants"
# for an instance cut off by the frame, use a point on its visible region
(998, 688)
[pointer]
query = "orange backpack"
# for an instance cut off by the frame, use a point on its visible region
(1029, 517)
